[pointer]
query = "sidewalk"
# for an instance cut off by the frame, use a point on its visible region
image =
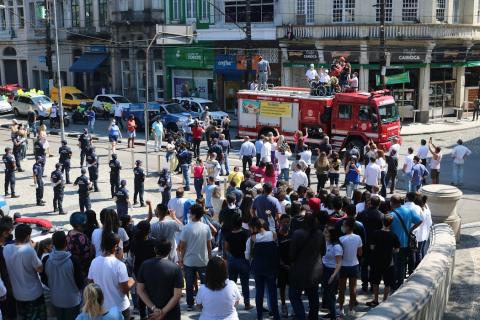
(438, 127)
(465, 289)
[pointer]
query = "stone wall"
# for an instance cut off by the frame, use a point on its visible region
(424, 294)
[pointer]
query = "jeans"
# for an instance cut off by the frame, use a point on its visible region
(400, 262)
(383, 189)
(10, 181)
(322, 179)
(333, 178)
(240, 267)
(186, 175)
(258, 157)
(225, 164)
(166, 196)
(390, 178)
(84, 202)
(476, 111)
(196, 147)
(58, 198)
(91, 125)
(350, 188)
(271, 284)
(83, 154)
(329, 291)
(246, 160)
(66, 313)
(284, 174)
(190, 273)
(66, 170)
(457, 173)
(198, 184)
(295, 296)
(168, 155)
(307, 172)
(420, 252)
(408, 181)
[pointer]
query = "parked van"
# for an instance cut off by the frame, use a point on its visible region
(71, 98)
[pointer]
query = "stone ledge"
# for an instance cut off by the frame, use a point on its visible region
(424, 294)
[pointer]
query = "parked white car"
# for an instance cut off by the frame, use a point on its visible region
(198, 105)
(114, 99)
(41, 104)
(5, 106)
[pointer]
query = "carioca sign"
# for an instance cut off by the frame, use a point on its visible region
(409, 55)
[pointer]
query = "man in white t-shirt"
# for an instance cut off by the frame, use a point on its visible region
(395, 146)
(213, 167)
(299, 178)
(407, 167)
(266, 153)
(311, 74)
(372, 175)
(110, 273)
(284, 164)
(459, 154)
(353, 82)
(323, 76)
(177, 204)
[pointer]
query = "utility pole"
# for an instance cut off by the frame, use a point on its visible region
(248, 38)
(383, 60)
(49, 44)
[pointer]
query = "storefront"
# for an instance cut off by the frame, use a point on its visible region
(190, 72)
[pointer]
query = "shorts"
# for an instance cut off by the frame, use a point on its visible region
(435, 174)
(113, 138)
(385, 273)
(132, 134)
(349, 272)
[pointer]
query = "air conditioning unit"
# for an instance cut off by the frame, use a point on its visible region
(301, 18)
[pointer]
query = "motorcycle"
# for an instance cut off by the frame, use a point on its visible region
(80, 116)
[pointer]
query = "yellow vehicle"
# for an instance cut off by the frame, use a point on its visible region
(71, 98)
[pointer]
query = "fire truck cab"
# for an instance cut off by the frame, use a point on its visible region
(349, 119)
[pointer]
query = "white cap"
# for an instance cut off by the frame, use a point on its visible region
(312, 66)
(14, 121)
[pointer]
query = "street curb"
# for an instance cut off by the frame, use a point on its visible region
(439, 131)
(470, 225)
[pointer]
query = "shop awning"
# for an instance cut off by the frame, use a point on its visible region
(88, 63)
(472, 64)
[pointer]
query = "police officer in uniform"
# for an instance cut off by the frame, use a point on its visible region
(139, 181)
(84, 142)
(38, 180)
(92, 164)
(38, 149)
(58, 186)
(65, 155)
(115, 168)
(18, 142)
(10, 167)
(84, 187)
(121, 198)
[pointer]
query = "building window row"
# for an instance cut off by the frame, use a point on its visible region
(343, 11)
(261, 11)
(388, 10)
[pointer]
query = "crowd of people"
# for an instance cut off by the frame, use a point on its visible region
(271, 224)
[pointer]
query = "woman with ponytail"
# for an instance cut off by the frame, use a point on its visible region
(93, 306)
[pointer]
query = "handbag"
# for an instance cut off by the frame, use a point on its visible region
(412, 240)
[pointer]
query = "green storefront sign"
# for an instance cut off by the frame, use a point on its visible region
(394, 79)
(191, 58)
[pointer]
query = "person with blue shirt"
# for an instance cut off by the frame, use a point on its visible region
(417, 174)
(91, 119)
(352, 178)
(405, 221)
(114, 134)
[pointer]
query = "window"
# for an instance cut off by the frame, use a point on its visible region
(75, 13)
(88, 13)
(138, 5)
(191, 9)
(141, 80)
(343, 10)
(156, 4)
(409, 10)
(123, 5)
(176, 10)
(204, 15)
(3, 19)
(456, 11)
(68, 96)
(440, 12)
(102, 13)
(345, 111)
(307, 8)
(125, 69)
(261, 11)
(20, 14)
(388, 10)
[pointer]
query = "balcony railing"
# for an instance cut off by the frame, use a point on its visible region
(147, 16)
(417, 31)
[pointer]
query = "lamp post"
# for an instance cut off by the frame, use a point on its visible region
(62, 127)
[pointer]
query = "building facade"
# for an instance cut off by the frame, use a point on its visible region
(433, 42)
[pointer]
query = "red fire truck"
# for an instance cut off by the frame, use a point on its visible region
(349, 119)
